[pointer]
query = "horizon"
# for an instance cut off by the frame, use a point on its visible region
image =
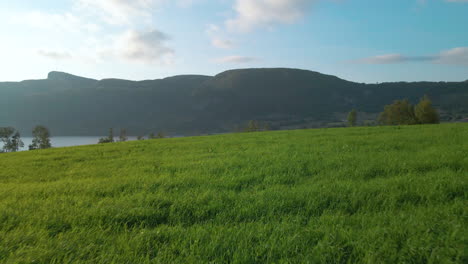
(214, 75)
(360, 41)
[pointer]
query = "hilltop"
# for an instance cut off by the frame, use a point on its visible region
(196, 104)
(354, 195)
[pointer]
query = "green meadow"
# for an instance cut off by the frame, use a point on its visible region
(345, 195)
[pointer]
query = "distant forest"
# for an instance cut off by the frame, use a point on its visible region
(194, 104)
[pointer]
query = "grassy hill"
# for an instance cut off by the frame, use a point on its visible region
(354, 195)
(195, 104)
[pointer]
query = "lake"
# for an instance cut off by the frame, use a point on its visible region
(66, 141)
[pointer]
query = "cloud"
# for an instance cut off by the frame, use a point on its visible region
(236, 59)
(94, 40)
(455, 56)
(217, 40)
(251, 14)
(119, 11)
(222, 43)
(187, 3)
(145, 47)
(67, 22)
(423, 2)
(392, 59)
(54, 55)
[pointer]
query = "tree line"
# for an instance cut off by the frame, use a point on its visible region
(402, 112)
(123, 136)
(11, 139)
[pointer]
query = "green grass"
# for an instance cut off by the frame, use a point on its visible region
(352, 195)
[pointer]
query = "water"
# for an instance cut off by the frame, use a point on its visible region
(66, 141)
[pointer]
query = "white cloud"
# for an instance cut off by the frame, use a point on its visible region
(455, 56)
(217, 38)
(187, 3)
(222, 43)
(54, 55)
(383, 59)
(91, 24)
(119, 11)
(235, 59)
(393, 58)
(423, 2)
(145, 47)
(251, 14)
(67, 22)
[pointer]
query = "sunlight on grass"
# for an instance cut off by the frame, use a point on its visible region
(355, 195)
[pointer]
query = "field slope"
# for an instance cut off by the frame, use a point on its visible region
(354, 195)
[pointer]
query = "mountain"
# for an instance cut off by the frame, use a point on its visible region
(194, 104)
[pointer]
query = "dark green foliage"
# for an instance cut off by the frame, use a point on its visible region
(369, 123)
(252, 126)
(104, 140)
(352, 118)
(11, 139)
(109, 138)
(401, 112)
(41, 138)
(356, 195)
(255, 126)
(425, 113)
(5, 136)
(160, 135)
(285, 98)
(123, 135)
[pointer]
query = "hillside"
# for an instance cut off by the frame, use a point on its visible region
(354, 195)
(193, 104)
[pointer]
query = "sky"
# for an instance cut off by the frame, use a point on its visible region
(358, 40)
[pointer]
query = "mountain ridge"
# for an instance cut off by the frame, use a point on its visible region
(197, 104)
(60, 75)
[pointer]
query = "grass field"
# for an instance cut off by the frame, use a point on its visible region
(349, 195)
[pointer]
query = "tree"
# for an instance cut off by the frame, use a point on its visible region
(5, 137)
(352, 118)
(16, 142)
(151, 136)
(11, 139)
(109, 138)
(41, 138)
(369, 123)
(425, 113)
(160, 135)
(123, 135)
(140, 138)
(252, 126)
(401, 112)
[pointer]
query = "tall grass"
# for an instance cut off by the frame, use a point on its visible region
(354, 195)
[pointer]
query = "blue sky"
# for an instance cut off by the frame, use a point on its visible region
(359, 40)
